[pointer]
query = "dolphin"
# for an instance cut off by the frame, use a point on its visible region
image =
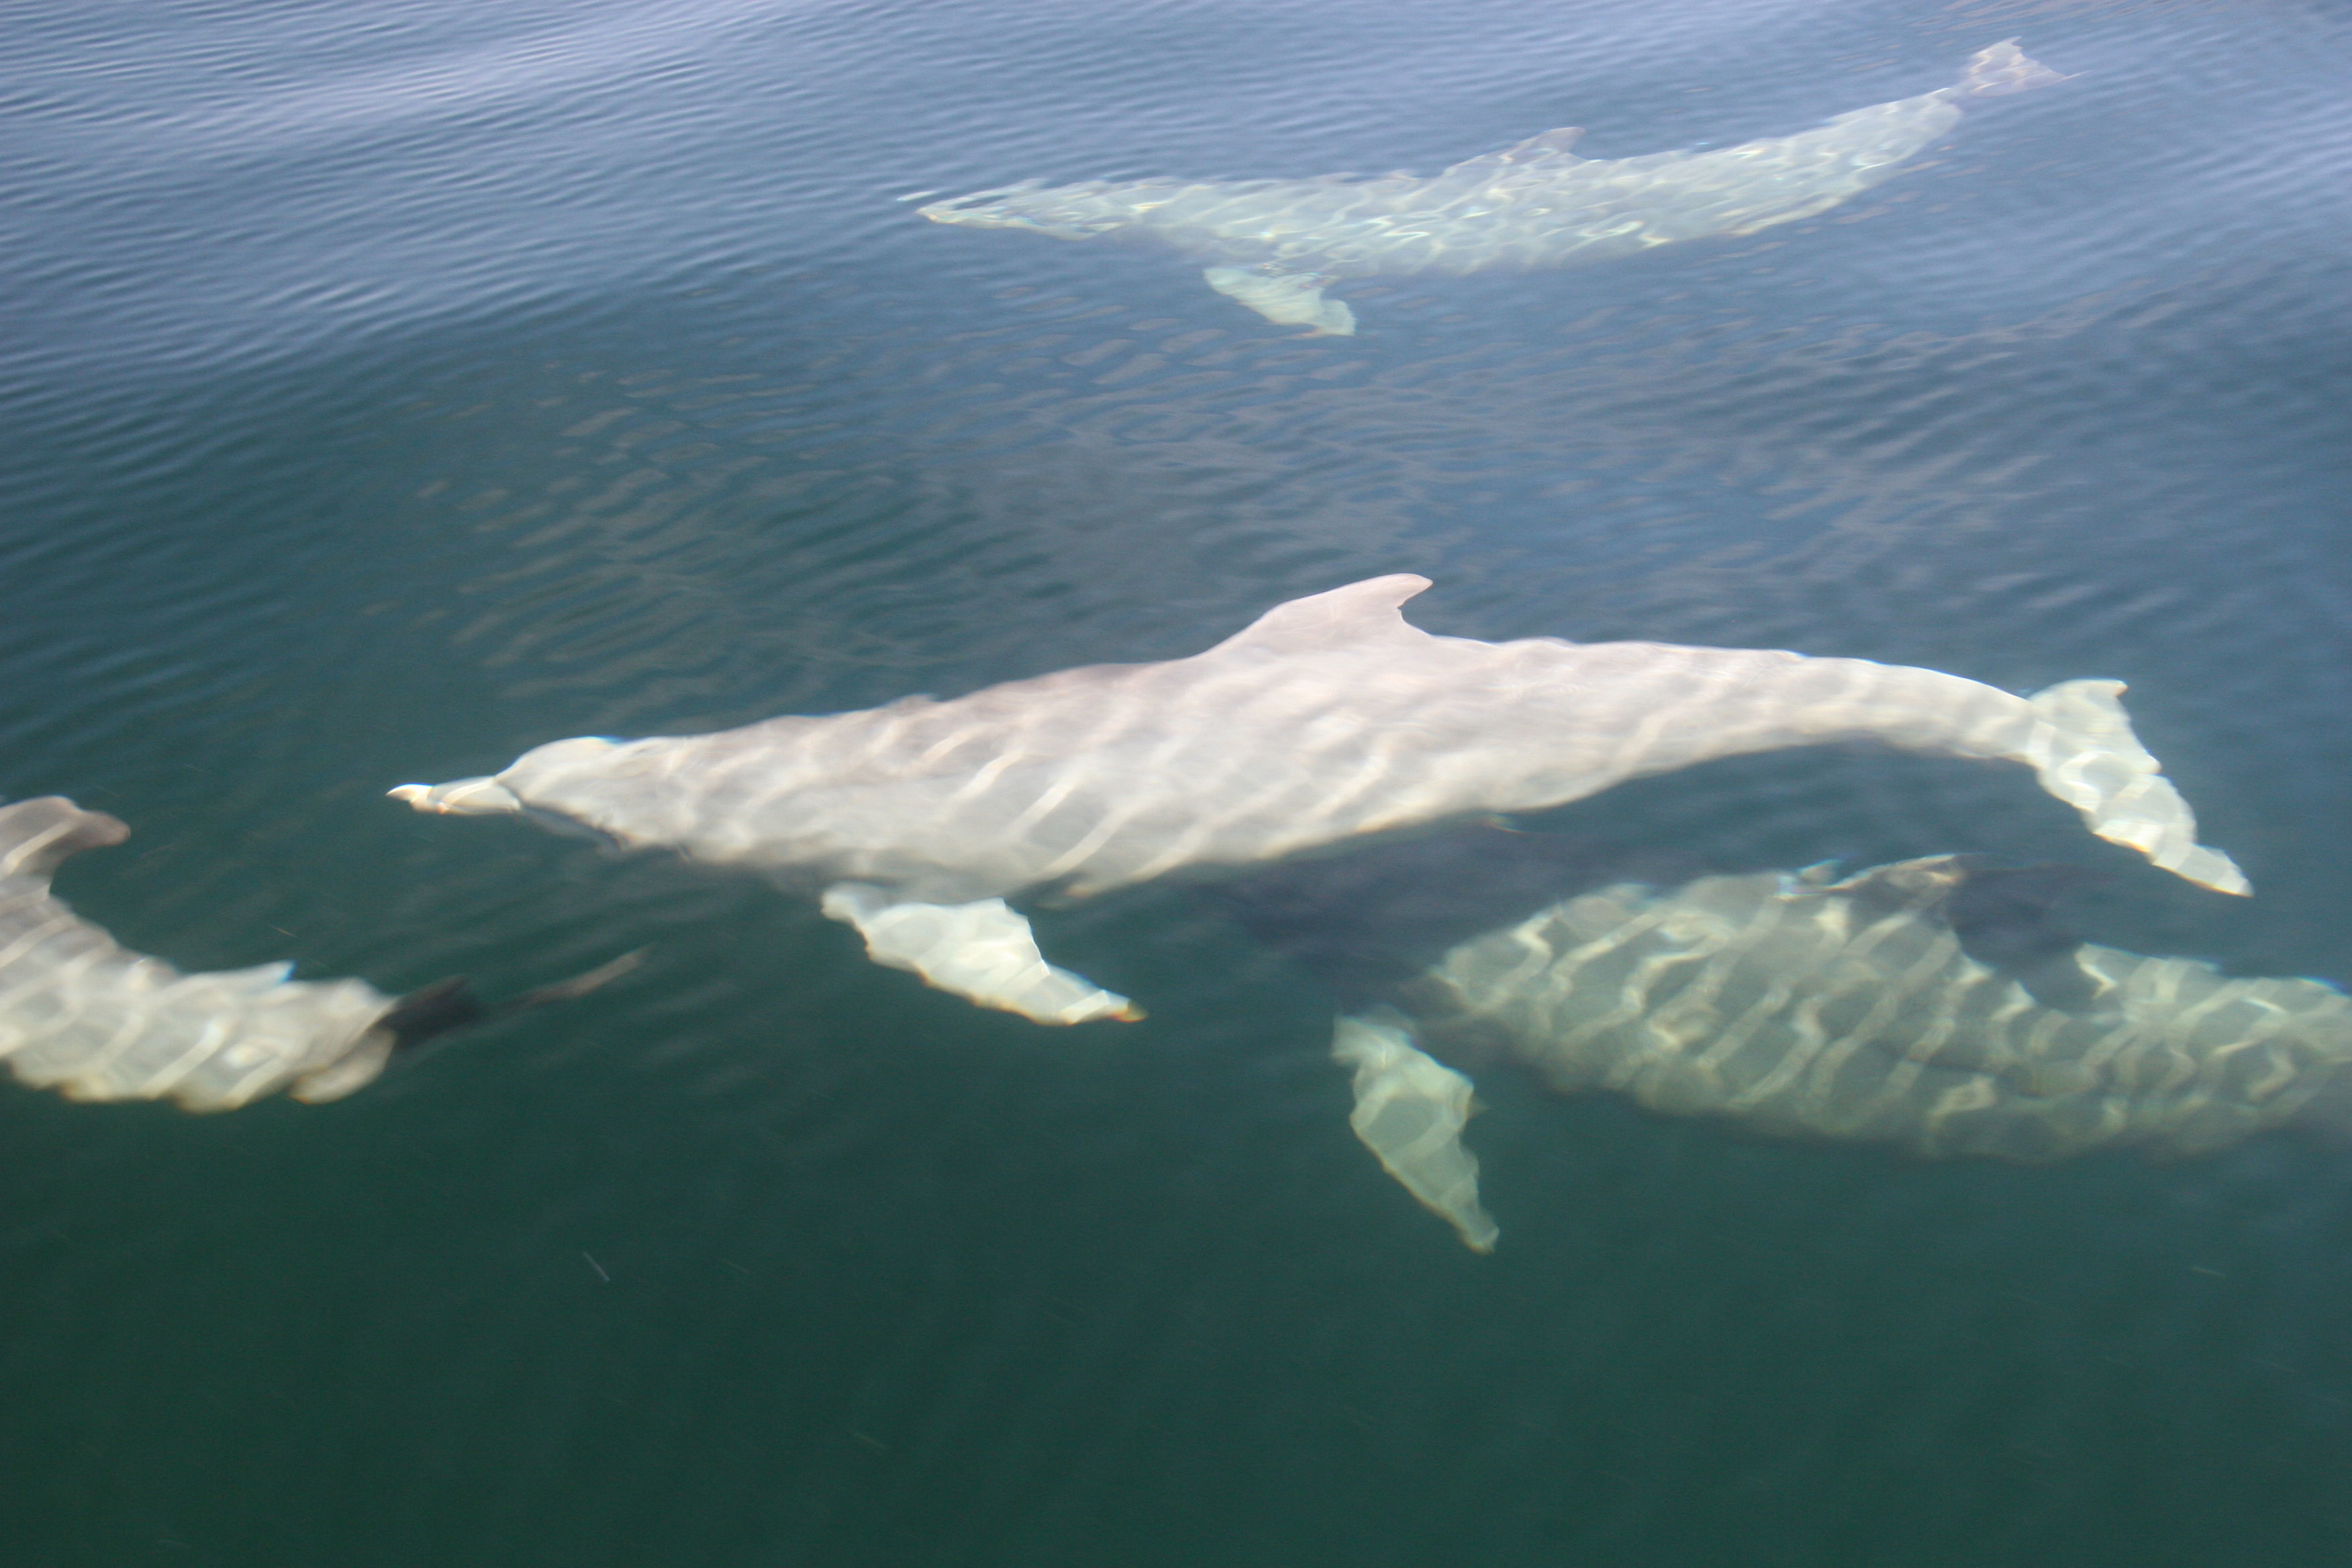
(82, 1014)
(1893, 1007)
(1328, 721)
(1276, 244)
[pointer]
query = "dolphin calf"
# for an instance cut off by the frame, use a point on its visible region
(82, 1014)
(1276, 244)
(1329, 720)
(1912, 1005)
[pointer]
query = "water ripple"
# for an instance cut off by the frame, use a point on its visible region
(391, 389)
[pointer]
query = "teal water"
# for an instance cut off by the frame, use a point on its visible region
(389, 388)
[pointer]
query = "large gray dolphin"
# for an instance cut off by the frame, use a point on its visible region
(1274, 245)
(82, 1014)
(1329, 721)
(1869, 1009)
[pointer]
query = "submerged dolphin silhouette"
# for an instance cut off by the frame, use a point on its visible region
(82, 1014)
(1328, 719)
(1851, 1010)
(1275, 244)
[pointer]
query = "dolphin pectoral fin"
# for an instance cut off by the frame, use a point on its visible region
(1285, 298)
(1410, 1112)
(983, 951)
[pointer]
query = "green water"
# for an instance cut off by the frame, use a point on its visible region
(394, 388)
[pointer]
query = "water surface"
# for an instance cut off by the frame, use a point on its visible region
(391, 388)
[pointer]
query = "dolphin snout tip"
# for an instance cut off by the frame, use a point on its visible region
(460, 797)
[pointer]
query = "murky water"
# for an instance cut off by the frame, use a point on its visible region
(389, 389)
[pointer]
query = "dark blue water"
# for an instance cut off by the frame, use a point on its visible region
(387, 388)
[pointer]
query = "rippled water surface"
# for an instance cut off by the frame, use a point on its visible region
(388, 388)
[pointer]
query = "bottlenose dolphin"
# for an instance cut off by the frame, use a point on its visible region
(1805, 1006)
(82, 1014)
(1276, 244)
(1329, 721)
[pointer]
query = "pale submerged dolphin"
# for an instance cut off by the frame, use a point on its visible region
(1863, 1009)
(82, 1014)
(1274, 245)
(1329, 721)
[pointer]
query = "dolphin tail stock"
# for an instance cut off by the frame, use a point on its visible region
(2083, 751)
(2003, 68)
(450, 1005)
(1285, 298)
(1410, 1112)
(441, 1008)
(437, 1009)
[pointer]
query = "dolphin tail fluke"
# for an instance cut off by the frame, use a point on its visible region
(2004, 69)
(595, 979)
(1410, 1112)
(1285, 298)
(2084, 751)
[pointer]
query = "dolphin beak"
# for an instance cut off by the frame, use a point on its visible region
(460, 797)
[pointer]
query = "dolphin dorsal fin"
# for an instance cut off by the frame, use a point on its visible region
(1358, 613)
(1548, 147)
(1556, 143)
(37, 834)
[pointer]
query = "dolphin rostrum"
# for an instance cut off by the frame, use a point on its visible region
(1274, 245)
(82, 1014)
(1857, 1010)
(1329, 719)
